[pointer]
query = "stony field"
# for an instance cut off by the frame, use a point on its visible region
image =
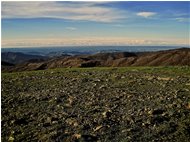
(135, 104)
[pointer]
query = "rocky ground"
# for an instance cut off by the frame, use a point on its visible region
(97, 104)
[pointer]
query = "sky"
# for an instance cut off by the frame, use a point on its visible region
(51, 23)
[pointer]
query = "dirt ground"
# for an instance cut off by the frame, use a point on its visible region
(96, 104)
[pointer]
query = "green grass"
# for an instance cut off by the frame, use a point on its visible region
(80, 73)
(169, 70)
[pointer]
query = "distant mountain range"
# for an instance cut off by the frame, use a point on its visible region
(24, 62)
(19, 57)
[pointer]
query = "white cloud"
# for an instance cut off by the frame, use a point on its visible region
(180, 19)
(89, 11)
(71, 28)
(146, 14)
(95, 41)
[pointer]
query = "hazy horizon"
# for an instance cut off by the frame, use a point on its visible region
(126, 23)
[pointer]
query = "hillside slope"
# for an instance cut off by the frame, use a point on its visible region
(175, 57)
(19, 57)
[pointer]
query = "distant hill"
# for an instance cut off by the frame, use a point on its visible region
(18, 57)
(4, 63)
(175, 57)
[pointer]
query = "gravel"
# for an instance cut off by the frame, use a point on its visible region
(100, 105)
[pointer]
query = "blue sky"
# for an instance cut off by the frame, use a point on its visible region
(95, 23)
